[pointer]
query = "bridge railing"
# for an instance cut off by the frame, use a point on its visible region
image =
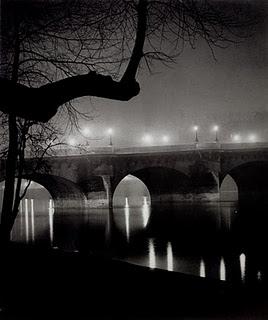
(244, 145)
(86, 150)
(191, 147)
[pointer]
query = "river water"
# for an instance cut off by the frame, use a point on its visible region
(215, 240)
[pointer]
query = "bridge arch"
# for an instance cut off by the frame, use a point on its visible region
(163, 184)
(228, 189)
(131, 191)
(33, 192)
(64, 192)
(171, 185)
(252, 181)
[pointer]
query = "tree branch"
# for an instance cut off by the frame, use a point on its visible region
(137, 52)
(41, 104)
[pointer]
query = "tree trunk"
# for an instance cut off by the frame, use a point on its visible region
(11, 162)
(17, 195)
(7, 219)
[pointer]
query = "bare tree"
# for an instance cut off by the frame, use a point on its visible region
(55, 51)
(35, 141)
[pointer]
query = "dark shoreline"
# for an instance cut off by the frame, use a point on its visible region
(50, 284)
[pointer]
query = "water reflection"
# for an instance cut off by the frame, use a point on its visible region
(152, 258)
(127, 222)
(132, 220)
(50, 216)
(206, 241)
(222, 270)
(32, 219)
(169, 257)
(26, 220)
(202, 269)
(145, 212)
(242, 260)
(33, 223)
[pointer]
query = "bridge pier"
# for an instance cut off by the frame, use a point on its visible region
(109, 192)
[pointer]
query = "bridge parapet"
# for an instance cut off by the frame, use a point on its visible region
(109, 150)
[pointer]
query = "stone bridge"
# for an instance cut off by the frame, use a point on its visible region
(78, 178)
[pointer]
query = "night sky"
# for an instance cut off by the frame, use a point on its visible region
(197, 90)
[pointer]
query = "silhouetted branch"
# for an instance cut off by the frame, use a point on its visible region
(41, 104)
(94, 44)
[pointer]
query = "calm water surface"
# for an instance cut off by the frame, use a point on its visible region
(215, 240)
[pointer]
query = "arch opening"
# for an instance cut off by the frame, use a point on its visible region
(34, 221)
(174, 186)
(252, 182)
(65, 193)
(228, 189)
(163, 180)
(35, 191)
(131, 192)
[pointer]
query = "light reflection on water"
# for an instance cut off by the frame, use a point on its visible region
(202, 269)
(242, 260)
(127, 222)
(169, 257)
(50, 215)
(33, 225)
(188, 239)
(32, 219)
(222, 270)
(152, 259)
(26, 220)
(145, 212)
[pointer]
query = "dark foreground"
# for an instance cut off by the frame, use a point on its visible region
(42, 284)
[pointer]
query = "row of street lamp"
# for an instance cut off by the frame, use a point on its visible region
(215, 129)
(148, 139)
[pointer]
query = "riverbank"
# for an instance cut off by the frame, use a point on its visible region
(48, 284)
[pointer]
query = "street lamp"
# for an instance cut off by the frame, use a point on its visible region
(252, 138)
(196, 133)
(216, 129)
(165, 139)
(110, 133)
(236, 137)
(147, 139)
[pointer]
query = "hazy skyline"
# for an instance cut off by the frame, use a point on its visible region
(230, 92)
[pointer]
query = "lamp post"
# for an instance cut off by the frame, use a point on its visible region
(196, 134)
(216, 129)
